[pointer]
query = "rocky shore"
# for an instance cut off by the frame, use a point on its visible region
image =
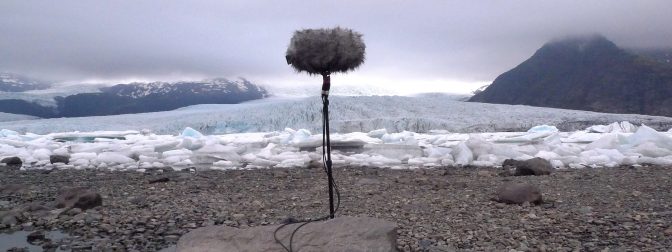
(442, 209)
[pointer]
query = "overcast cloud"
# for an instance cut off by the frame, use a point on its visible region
(432, 43)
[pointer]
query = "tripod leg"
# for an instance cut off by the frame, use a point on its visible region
(330, 177)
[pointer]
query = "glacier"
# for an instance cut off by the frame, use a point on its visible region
(425, 130)
(421, 113)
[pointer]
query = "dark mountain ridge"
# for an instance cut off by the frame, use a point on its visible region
(586, 73)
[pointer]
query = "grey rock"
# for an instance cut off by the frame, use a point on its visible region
(339, 234)
(17, 249)
(12, 161)
(159, 180)
(535, 166)
(518, 193)
(367, 181)
(59, 159)
(78, 197)
(13, 188)
(9, 218)
(34, 207)
(35, 237)
(280, 174)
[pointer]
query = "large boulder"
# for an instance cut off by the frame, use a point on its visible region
(518, 193)
(59, 159)
(78, 197)
(535, 166)
(339, 234)
(12, 161)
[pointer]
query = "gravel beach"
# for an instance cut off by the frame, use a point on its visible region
(440, 209)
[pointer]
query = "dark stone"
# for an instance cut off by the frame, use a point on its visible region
(12, 161)
(35, 237)
(78, 197)
(159, 180)
(535, 166)
(59, 159)
(518, 193)
(17, 249)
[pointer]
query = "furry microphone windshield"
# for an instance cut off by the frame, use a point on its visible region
(324, 51)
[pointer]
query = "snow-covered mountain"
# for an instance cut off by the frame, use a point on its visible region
(336, 90)
(218, 85)
(10, 82)
(423, 113)
(83, 100)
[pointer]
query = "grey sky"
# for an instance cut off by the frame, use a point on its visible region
(430, 44)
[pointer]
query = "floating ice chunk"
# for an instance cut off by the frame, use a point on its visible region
(292, 162)
(447, 162)
(529, 137)
(189, 132)
(41, 154)
(185, 162)
(164, 145)
(602, 157)
(462, 154)
(404, 137)
(627, 127)
(646, 134)
(483, 163)
(491, 158)
(217, 148)
(424, 161)
(543, 128)
(607, 141)
(300, 136)
(114, 158)
(145, 165)
(63, 151)
(598, 129)
(622, 127)
(582, 137)
(438, 152)
(662, 161)
(478, 146)
(567, 150)
(268, 151)
(377, 133)
(180, 152)
(382, 161)
(548, 155)
(650, 149)
(557, 163)
(6, 133)
(84, 155)
(190, 143)
(397, 151)
(261, 162)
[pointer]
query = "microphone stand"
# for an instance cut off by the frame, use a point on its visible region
(326, 141)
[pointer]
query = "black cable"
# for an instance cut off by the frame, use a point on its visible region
(326, 151)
